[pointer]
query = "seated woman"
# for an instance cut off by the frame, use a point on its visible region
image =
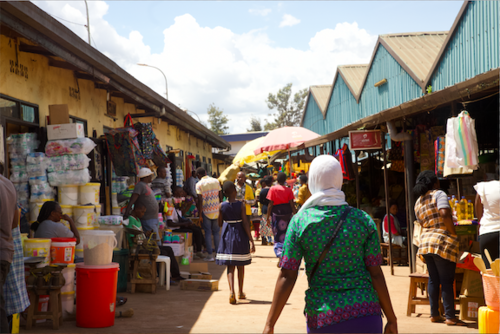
(48, 224)
(397, 235)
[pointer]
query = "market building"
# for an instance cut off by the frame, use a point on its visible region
(44, 63)
(417, 81)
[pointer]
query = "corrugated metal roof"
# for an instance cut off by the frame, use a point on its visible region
(321, 93)
(417, 50)
(354, 75)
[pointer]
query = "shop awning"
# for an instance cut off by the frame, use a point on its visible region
(482, 84)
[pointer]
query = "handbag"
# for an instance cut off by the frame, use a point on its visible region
(329, 244)
(417, 232)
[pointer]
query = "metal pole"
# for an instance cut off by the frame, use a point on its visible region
(358, 195)
(88, 20)
(166, 84)
(388, 214)
(410, 200)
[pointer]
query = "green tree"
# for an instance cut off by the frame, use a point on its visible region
(217, 120)
(287, 109)
(255, 124)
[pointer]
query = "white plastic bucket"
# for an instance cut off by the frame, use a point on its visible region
(69, 276)
(89, 193)
(68, 303)
(114, 199)
(84, 215)
(67, 195)
(67, 210)
(119, 233)
(82, 230)
(98, 247)
(97, 214)
(116, 211)
(38, 247)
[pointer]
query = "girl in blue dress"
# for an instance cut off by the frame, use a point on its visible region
(236, 242)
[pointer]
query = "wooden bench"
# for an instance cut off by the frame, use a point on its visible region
(398, 254)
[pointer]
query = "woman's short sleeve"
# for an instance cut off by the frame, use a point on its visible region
(292, 251)
(270, 194)
(372, 255)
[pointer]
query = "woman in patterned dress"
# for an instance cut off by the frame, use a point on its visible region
(438, 245)
(348, 291)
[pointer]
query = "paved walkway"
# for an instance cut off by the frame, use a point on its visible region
(177, 311)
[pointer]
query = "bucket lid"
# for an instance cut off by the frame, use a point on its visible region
(91, 184)
(83, 206)
(66, 206)
(67, 185)
(37, 240)
(63, 239)
(112, 265)
(100, 232)
(85, 228)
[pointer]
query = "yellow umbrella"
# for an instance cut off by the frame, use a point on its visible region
(246, 153)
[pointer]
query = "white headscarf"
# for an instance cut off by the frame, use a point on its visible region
(325, 183)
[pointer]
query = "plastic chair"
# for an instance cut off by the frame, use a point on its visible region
(164, 273)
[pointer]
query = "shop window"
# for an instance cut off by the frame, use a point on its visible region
(204, 159)
(209, 161)
(23, 111)
(73, 119)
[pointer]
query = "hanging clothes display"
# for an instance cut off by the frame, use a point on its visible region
(145, 137)
(461, 141)
(439, 152)
(160, 158)
(343, 155)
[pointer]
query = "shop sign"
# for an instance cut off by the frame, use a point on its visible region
(365, 140)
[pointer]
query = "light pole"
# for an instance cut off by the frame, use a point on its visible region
(166, 85)
(88, 20)
(189, 111)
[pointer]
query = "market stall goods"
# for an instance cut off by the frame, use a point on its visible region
(69, 177)
(69, 146)
(62, 251)
(36, 247)
(98, 247)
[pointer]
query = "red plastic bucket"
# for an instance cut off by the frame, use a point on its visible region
(62, 250)
(96, 295)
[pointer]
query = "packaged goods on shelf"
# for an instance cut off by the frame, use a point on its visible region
(69, 146)
(19, 176)
(69, 177)
(67, 162)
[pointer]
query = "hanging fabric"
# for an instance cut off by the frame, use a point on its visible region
(125, 152)
(461, 142)
(439, 152)
(145, 136)
(343, 155)
(160, 158)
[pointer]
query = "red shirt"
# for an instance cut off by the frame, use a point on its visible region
(280, 194)
(394, 230)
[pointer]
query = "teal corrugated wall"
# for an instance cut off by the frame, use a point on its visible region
(343, 108)
(313, 119)
(474, 48)
(400, 86)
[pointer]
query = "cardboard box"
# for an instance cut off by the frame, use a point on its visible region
(198, 271)
(200, 285)
(177, 248)
(65, 131)
(58, 114)
(469, 307)
(472, 285)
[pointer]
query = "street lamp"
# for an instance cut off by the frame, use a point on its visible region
(166, 85)
(187, 111)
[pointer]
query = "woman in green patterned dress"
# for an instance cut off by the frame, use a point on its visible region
(348, 291)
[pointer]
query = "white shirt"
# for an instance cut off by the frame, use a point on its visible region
(490, 198)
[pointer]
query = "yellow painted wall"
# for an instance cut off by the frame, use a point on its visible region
(44, 85)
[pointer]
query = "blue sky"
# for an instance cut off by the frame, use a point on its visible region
(377, 17)
(234, 53)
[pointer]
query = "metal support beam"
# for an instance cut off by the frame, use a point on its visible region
(410, 200)
(23, 47)
(386, 186)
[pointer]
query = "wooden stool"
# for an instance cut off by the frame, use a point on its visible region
(134, 280)
(398, 257)
(413, 300)
(55, 312)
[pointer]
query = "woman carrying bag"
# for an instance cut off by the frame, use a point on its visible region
(347, 290)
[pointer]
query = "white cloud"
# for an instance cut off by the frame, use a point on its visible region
(215, 65)
(261, 12)
(289, 21)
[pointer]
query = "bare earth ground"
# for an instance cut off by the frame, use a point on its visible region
(178, 311)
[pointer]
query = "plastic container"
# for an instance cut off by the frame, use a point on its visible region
(470, 210)
(121, 257)
(68, 303)
(82, 230)
(89, 193)
(79, 253)
(119, 234)
(117, 210)
(68, 195)
(98, 246)
(114, 199)
(491, 286)
(97, 213)
(62, 250)
(67, 210)
(488, 320)
(110, 220)
(69, 276)
(38, 247)
(24, 236)
(96, 290)
(84, 215)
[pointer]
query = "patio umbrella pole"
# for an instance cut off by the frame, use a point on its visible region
(290, 161)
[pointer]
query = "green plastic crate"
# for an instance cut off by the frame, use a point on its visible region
(121, 257)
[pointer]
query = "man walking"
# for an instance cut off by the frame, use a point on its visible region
(208, 190)
(8, 210)
(191, 185)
